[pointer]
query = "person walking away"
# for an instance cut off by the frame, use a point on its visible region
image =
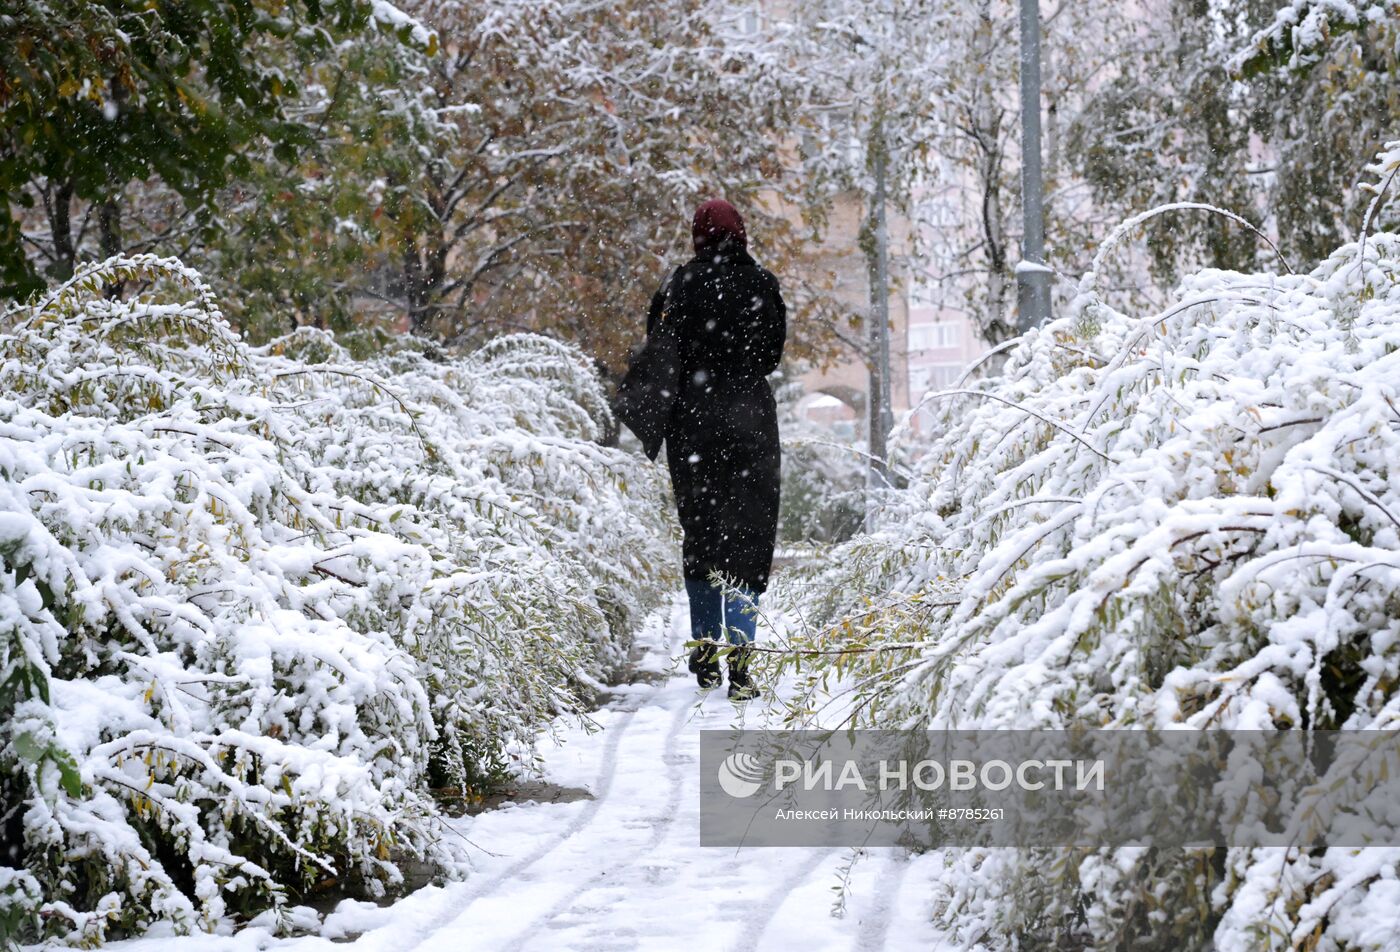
(722, 435)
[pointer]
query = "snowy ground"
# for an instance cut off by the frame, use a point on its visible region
(623, 870)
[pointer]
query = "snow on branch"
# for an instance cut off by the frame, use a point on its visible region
(1299, 34)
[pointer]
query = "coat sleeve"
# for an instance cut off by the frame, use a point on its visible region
(771, 329)
(658, 301)
(654, 312)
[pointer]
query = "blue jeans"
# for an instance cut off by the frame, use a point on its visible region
(714, 617)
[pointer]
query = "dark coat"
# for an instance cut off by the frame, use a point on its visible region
(722, 439)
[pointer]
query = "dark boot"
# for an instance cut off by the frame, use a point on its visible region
(704, 666)
(741, 686)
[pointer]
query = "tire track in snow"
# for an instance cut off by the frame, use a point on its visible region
(757, 923)
(679, 719)
(607, 772)
(875, 924)
(585, 817)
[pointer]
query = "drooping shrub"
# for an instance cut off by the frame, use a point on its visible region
(256, 604)
(1185, 518)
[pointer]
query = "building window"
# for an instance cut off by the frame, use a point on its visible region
(942, 335)
(932, 378)
(918, 382)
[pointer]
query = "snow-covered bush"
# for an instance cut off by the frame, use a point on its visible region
(823, 497)
(1185, 518)
(256, 604)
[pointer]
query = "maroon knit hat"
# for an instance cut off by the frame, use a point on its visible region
(717, 221)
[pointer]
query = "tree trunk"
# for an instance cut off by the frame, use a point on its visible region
(413, 290)
(424, 273)
(60, 208)
(986, 131)
(879, 409)
(995, 325)
(109, 233)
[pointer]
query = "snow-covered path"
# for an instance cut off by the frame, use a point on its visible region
(623, 870)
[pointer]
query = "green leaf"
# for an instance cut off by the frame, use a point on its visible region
(28, 748)
(68, 774)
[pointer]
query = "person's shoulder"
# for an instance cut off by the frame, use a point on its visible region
(700, 264)
(745, 262)
(766, 277)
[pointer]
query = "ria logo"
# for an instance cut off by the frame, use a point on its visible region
(740, 775)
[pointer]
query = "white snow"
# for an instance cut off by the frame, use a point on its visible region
(391, 17)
